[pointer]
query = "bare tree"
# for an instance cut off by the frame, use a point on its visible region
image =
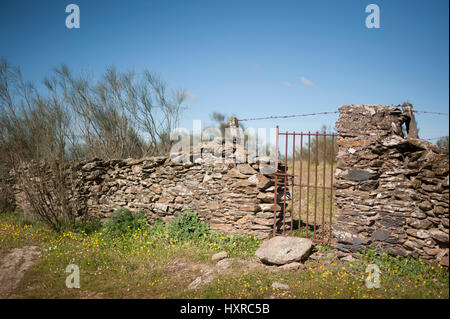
(32, 140)
(443, 142)
(121, 115)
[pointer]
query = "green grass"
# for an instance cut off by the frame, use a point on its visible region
(399, 278)
(112, 263)
(151, 263)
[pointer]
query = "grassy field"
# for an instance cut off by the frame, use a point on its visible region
(314, 203)
(151, 263)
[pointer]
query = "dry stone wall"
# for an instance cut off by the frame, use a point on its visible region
(392, 192)
(231, 197)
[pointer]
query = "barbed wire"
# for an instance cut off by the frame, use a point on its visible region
(318, 113)
(285, 116)
(428, 112)
(433, 138)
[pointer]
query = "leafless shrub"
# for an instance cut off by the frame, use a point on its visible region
(7, 202)
(33, 139)
(122, 115)
(443, 142)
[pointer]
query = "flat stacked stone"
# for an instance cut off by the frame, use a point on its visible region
(392, 191)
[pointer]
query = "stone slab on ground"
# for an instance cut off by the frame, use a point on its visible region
(281, 250)
(292, 266)
(219, 256)
(279, 285)
(224, 263)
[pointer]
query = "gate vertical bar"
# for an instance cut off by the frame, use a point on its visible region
(307, 185)
(293, 186)
(285, 183)
(331, 183)
(324, 160)
(275, 192)
(315, 184)
(300, 186)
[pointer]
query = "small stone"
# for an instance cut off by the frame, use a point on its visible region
(419, 215)
(444, 261)
(422, 234)
(348, 258)
(161, 207)
(439, 236)
(292, 266)
(267, 169)
(394, 140)
(246, 169)
(279, 285)
(234, 173)
(269, 207)
(358, 175)
(260, 181)
(224, 263)
(89, 166)
(431, 251)
(266, 197)
(420, 223)
(409, 244)
(380, 234)
(196, 283)
(220, 256)
(207, 178)
(425, 205)
(217, 175)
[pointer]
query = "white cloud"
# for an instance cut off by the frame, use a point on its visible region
(255, 66)
(288, 84)
(190, 95)
(305, 81)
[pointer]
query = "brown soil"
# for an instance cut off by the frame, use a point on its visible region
(13, 266)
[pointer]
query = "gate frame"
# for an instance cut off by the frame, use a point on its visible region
(285, 176)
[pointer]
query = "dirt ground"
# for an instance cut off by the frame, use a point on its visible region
(13, 266)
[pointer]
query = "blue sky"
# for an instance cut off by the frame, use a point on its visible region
(250, 58)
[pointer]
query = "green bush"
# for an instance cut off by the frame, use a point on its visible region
(187, 226)
(88, 226)
(123, 221)
(158, 227)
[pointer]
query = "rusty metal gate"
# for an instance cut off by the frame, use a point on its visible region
(303, 193)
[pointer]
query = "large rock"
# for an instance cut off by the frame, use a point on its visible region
(281, 250)
(246, 169)
(260, 181)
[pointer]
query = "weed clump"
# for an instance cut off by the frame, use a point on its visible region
(88, 225)
(123, 221)
(187, 226)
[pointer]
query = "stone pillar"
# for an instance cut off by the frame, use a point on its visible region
(362, 132)
(233, 122)
(391, 192)
(411, 125)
